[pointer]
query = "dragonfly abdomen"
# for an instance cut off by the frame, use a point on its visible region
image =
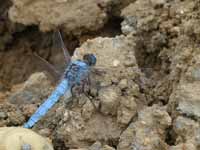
(53, 98)
(74, 74)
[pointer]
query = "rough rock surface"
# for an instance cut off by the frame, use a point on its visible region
(145, 88)
(186, 100)
(35, 88)
(187, 131)
(148, 132)
(116, 102)
(11, 115)
(74, 16)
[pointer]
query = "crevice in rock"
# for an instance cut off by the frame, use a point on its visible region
(112, 28)
(155, 68)
(113, 143)
(25, 42)
(59, 144)
(170, 138)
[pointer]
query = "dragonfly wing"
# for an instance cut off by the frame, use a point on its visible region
(48, 67)
(59, 43)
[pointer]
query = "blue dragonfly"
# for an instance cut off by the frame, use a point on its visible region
(76, 74)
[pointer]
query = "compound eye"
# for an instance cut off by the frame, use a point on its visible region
(90, 59)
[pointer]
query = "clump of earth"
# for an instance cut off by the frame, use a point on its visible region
(146, 94)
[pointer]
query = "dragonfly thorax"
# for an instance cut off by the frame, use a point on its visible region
(76, 72)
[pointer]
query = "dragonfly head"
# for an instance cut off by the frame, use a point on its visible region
(90, 59)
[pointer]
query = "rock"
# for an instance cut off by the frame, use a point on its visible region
(103, 121)
(28, 110)
(14, 138)
(96, 146)
(129, 25)
(187, 99)
(185, 128)
(123, 84)
(137, 18)
(45, 132)
(11, 115)
(108, 51)
(79, 149)
(81, 15)
(187, 133)
(16, 117)
(148, 132)
(106, 147)
(193, 72)
(183, 146)
(126, 110)
(74, 130)
(32, 91)
(88, 109)
(109, 99)
(158, 3)
(156, 61)
(3, 115)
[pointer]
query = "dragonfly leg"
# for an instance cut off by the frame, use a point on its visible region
(76, 90)
(86, 85)
(47, 66)
(86, 89)
(73, 91)
(91, 100)
(80, 88)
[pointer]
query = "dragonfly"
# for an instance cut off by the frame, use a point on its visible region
(76, 74)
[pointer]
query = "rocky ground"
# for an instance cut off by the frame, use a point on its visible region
(147, 93)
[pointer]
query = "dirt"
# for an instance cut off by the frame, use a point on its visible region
(146, 94)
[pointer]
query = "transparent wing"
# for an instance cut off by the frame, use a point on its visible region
(60, 64)
(45, 65)
(99, 72)
(59, 43)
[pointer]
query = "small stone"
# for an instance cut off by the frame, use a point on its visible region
(185, 128)
(126, 110)
(45, 132)
(3, 115)
(16, 118)
(87, 110)
(187, 99)
(96, 146)
(129, 25)
(158, 3)
(29, 109)
(123, 83)
(116, 63)
(106, 147)
(32, 91)
(109, 98)
(129, 63)
(193, 73)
